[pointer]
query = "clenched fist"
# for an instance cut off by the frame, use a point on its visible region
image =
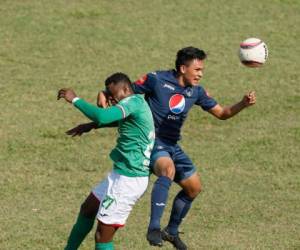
(67, 94)
(249, 99)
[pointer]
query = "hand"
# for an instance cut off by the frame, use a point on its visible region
(249, 99)
(81, 128)
(102, 99)
(67, 94)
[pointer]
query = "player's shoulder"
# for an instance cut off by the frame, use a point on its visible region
(202, 91)
(168, 75)
(156, 76)
(199, 88)
(161, 74)
(147, 78)
(132, 100)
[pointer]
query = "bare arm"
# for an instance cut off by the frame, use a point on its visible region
(227, 112)
(87, 127)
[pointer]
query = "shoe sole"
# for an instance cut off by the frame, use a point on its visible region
(165, 238)
(155, 244)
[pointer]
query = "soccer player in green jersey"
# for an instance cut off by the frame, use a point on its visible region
(112, 200)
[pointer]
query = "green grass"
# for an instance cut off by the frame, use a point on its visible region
(249, 165)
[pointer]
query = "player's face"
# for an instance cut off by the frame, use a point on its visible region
(193, 72)
(116, 92)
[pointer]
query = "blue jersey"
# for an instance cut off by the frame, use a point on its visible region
(170, 102)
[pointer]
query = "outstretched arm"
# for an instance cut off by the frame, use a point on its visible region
(98, 115)
(224, 113)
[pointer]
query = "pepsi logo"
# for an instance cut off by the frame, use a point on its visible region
(177, 103)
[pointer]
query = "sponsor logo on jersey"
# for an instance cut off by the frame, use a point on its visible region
(173, 117)
(177, 103)
(168, 87)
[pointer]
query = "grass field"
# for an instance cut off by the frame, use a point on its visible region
(249, 166)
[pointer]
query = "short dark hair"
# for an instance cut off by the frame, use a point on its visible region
(117, 78)
(185, 55)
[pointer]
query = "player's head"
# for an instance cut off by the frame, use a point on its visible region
(118, 86)
(190, 65)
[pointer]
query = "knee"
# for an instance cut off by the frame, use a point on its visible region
(165, 168)
(97, 235)
(197, 191)
(193, 191)
(168, 172)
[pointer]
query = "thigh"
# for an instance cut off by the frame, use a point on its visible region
(183, 165)
(100, 190)
(121, 194)
(90, 206)
(161, 160)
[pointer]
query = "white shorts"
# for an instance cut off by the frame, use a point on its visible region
(117, 195)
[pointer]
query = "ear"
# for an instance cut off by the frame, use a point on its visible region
(126, 88)
(182, 69)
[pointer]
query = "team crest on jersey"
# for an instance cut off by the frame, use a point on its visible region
(177, 103)
(189, 91)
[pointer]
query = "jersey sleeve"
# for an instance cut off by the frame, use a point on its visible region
(99, 115)
(205, 101)
(145, 84)
(129, 105)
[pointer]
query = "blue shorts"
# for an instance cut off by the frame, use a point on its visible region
(183, 165)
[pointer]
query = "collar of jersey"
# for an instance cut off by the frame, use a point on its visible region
(170, 76)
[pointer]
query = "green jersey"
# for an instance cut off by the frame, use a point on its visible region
(131, 156)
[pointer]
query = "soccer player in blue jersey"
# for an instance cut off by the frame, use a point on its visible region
(170, 95)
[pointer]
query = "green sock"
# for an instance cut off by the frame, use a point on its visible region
(80, 229)
(105, 246)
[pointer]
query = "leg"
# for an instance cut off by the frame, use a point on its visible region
(84, 223)
(188, 179)
(165, 170)
(191, 187)
(90, 206)
(104, 236)
(121, 194)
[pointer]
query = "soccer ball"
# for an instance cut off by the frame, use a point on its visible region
(253, 52)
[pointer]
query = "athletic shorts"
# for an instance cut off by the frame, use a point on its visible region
(117, 195)
(183, 165)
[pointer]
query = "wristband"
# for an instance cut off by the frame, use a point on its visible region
(75, 99)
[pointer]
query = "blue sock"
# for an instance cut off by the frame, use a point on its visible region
(159, 198)
(181, 205)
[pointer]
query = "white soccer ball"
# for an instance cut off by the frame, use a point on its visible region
(253, 52)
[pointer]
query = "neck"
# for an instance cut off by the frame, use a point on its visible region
(180, 80)
(127, 94)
